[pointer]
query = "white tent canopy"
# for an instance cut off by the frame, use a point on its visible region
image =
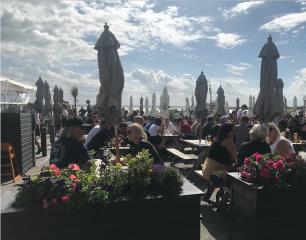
(13, 92)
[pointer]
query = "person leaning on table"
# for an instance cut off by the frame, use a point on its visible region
(222, 154)
(69, 147)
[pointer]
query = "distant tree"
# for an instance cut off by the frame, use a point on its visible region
(74, 93)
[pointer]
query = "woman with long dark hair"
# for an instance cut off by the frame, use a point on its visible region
(222, 154)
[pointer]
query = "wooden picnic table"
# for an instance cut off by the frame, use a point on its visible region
(195, 143)
(165, 137)
(300, 146)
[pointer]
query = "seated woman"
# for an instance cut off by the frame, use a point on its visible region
(258, 135)
(222, 153)
(138, 141)
(69, 147)
(277, 142)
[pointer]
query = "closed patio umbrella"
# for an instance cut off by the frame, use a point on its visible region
(111, 77)
(131, 107)
(267, 106)
(39, 102)
(164, 103)
(201, 96)
(220, 102)
(153, 109)
(47, 96)
(147, 113)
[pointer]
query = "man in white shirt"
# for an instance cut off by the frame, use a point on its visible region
(243, 111)
(155, 129)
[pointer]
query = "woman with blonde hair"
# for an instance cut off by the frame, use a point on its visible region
(257, 144)
(277, 142)
(138, 141)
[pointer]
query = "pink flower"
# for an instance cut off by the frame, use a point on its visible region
(264, 172)
(65, 199)
(258, 158)
(53, 201)
(270, 164)
(247, 161)
(45, 203)
(279, 165)
(55, 169)
(73, 177)
(74, 167)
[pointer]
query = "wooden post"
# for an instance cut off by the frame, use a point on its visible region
(52, 133)
(117, 144)
(44, 141)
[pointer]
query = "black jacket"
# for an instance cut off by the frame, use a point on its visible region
(134, 149)
(249, 148)
(68, 150)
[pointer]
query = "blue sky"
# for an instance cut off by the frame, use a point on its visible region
(163, 43)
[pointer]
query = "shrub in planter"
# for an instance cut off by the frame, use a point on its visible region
(73, 187)
(274, 170)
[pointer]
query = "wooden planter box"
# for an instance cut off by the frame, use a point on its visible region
(266, 212)
(16, 128)
(175, 217)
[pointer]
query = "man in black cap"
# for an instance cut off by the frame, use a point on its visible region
(69, 147)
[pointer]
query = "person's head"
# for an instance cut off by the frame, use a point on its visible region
(224, 119)
(87, 102)
(136, 133)
(259, 132)
(244, 107)
(227, 130)
(304, 127)
(123, 128)
(72, 128)
(138, 119)
(274, 132)
(244, 120)
(158, 121)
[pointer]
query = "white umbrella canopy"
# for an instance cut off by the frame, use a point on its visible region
(294, 104)
(267, 106)
(187, 107)
(153, 109)
(111, 77)
(131, 105)
(164, 103)
(201, 95)
(147, 112)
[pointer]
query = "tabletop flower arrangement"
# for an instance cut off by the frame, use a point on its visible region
(73, 187)
(273, 170)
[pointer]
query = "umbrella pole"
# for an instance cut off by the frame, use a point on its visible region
(117, 144)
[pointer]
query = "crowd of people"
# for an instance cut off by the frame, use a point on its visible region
(234, 136)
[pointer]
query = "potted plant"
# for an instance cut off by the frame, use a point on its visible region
(134, 199)
(268, 198)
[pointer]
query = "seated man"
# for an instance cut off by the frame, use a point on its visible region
(69, 147)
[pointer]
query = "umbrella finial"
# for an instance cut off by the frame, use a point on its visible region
(202, 72)
(106, 27)
(269, 38)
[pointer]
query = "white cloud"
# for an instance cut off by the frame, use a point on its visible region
(297, 87)
(241, 8)
(237, 69)
(285, 23)
(228, 40)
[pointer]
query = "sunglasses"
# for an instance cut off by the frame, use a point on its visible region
(271, 129)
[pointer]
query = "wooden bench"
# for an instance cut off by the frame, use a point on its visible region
(182, 160)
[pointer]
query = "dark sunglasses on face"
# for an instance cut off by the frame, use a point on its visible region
(271, 129)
